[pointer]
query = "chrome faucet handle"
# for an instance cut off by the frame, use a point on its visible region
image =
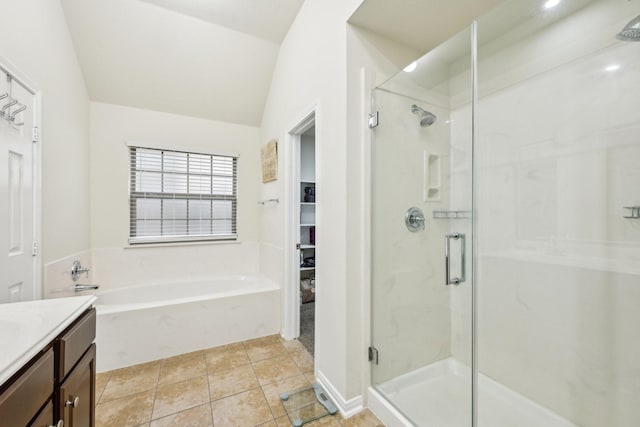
(77, 270)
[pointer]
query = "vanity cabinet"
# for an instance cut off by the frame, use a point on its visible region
(77, 392)
(57, 386)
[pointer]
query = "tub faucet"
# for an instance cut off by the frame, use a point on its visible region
(78, 287)
(77, 270)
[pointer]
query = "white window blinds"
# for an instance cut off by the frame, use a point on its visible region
(181, 196)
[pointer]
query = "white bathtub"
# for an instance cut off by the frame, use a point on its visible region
(143, 323)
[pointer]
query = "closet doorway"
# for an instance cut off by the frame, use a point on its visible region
(300, 290)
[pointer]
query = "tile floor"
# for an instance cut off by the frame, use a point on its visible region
(236, 385)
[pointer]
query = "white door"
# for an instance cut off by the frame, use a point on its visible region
(16, 193)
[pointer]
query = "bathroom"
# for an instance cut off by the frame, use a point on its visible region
(529, 161)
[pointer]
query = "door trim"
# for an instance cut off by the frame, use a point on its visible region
(291, 288)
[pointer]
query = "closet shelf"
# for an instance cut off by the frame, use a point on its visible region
(307, 246)
(307, 268)
(307, 225)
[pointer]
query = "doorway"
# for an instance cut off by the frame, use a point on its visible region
(300, 286)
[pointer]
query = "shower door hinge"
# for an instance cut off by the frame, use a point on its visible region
(373, 354)
(373, 119)
(35, 134)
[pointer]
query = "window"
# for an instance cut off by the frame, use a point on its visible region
(181, 196)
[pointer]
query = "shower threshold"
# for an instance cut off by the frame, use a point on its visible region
(439, 395)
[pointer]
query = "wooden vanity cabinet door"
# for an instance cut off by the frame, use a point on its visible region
(24, 397)
(45, 417)
(77, 392)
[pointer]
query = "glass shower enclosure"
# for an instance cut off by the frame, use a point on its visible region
(506, 223)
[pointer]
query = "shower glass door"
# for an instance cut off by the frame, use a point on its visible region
(422, 272)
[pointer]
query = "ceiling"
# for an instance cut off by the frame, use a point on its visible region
(266, 19)
(154, 54)
(420, 24)
(215, 59)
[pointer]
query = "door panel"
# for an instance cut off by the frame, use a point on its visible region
(17, 192)
(422, 199)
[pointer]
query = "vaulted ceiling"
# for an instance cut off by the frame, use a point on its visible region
(201, 58)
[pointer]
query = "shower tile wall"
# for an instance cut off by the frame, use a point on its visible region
(559, 266)
(412, 305)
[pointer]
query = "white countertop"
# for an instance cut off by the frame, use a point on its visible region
(27, 327)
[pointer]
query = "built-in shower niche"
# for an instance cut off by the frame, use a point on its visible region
(432, 173)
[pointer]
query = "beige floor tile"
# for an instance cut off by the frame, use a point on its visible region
(283, 422)
(131, 380)
(272, 392)
(126, 412)
(182, 368)
(363, 419)
(303, 360)
(101, 382)
(246, 409)
(257, 352)
(310, 376)
(177, 397)
(328, 421)
(276, 369)
(269, 339)
(200, 416)
(226, 357)
(269, 424)
(292, 345)
(236, 380)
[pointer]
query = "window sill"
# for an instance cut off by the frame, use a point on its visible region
(174, 244)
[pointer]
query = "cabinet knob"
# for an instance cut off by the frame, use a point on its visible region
(72, 403)
(59, 424)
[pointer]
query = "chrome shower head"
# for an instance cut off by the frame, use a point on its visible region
(631, 31)
(426, 118)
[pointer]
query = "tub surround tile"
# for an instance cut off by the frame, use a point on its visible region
(200, 416)
(233, 381)
(183, 367)
(276, 369)
(176, 397)
(127, 411)
(131, 380)
(257, 352)
(246, 409)
(226, 357)
(272, 392)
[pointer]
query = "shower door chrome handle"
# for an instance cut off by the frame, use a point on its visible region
(447, 262)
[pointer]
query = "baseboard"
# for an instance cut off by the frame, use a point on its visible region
(346, 407)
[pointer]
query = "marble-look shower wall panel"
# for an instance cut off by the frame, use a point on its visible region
(411, 307)
(121, 267)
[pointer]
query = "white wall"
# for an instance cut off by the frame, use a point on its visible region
(35, 38)
(311, 70)
(117, 264)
